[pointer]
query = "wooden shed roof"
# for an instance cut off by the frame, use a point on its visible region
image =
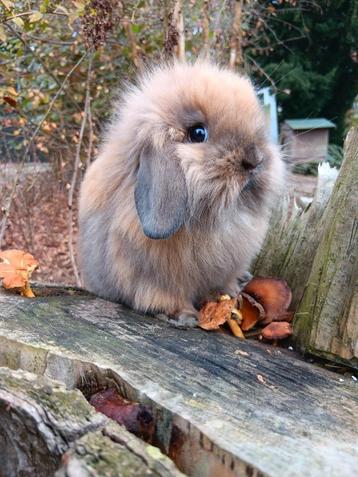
(316, 123)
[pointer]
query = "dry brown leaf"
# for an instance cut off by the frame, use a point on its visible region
(16, 267)
(272, 293)
(277, 330)
(214, 314)
(11, 101)
(252, 312)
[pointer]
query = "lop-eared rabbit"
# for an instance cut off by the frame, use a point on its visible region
(177, 203)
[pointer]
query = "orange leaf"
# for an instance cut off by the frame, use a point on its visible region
(272, 293)
(277, 330)
(213, 314)
(16, 267)
(251, 311)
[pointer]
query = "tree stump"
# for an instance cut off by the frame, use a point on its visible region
(326, 322)
(316, 251)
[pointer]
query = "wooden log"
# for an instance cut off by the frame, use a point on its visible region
(48, 430)
(222, 406)
(326, 322)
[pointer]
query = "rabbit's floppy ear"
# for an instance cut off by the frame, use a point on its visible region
(161, 195)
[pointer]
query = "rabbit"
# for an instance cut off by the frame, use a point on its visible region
(177, 203)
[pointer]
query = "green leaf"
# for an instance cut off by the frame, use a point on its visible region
(35, 17)
(18, 21)
(136, 28)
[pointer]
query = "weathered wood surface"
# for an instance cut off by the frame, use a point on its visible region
(316, 251)
(326, 322)
(215, 415)
(292, 241)
(47, 430)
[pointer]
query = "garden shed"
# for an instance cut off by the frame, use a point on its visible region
(306, 140)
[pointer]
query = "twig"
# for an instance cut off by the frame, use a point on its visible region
(178, 18)
(206, 29)
(90, 134)
(236, 53)
(21, 163)
(132, 43)
(74, 175)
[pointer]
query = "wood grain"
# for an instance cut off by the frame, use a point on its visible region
(223, 406)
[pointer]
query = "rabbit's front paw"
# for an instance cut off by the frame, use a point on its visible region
(184, 319)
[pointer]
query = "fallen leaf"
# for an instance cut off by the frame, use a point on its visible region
(213, 314)
(252, 312)
(10, 101)
(16, 267)
(272, 293)
(277, 330)
(135, 417)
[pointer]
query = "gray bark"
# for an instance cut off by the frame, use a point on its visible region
(326, 322)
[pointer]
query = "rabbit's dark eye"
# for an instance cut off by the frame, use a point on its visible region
(198, 133)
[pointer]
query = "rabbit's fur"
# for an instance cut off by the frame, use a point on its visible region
(164, 221)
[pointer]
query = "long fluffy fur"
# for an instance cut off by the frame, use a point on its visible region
(229, 207)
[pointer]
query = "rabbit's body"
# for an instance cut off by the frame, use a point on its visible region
(165, 221)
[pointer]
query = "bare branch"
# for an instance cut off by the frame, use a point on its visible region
(236, 54)
(75, 173)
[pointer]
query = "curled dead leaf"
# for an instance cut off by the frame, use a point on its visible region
(213, 314)
(277, 330)
(16, 267)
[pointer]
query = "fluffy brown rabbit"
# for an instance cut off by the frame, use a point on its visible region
(178, 201)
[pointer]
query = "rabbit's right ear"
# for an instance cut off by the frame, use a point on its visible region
(161, 195)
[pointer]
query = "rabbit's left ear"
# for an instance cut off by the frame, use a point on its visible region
(161, 195)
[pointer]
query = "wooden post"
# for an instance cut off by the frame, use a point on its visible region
(326, 322)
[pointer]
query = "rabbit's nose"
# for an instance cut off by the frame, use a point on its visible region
(252, 157)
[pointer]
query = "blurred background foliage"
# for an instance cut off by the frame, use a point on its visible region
(62, 62)
(54, 54)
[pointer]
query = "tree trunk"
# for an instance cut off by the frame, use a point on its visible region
(326, 322)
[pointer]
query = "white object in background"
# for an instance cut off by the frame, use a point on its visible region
(268, 100)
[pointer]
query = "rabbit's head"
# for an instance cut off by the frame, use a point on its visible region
(194, 141)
